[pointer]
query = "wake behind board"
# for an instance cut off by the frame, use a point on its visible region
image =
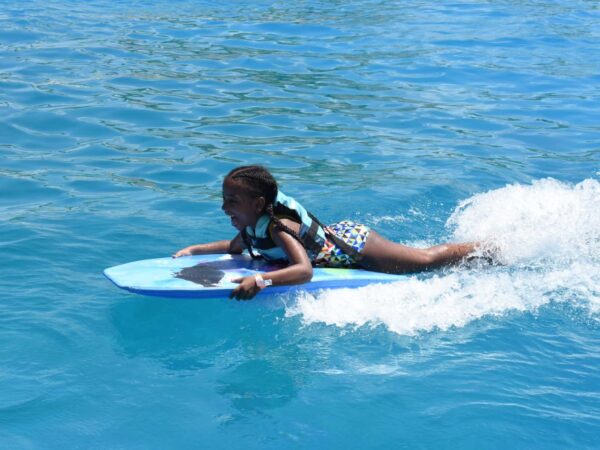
(209, 276)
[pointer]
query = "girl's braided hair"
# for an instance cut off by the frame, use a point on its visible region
(259, 182)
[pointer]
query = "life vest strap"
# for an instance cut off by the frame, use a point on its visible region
(310, 239)
(248, 243)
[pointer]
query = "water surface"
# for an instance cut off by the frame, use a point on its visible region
(429, 121)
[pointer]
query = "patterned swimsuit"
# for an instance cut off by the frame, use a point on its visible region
(353, 234)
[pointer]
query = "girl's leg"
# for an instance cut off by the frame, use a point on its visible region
(382, 255)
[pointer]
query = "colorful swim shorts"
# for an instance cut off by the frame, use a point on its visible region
(353, 234)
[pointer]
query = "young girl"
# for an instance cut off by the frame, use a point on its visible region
(280, 229)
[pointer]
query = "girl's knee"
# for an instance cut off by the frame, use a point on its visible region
(427, 257)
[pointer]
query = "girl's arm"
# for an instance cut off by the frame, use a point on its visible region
(298, 271)
(234, 246)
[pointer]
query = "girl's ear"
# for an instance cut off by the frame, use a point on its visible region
(260, 204)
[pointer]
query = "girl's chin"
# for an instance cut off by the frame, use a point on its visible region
(236, 224)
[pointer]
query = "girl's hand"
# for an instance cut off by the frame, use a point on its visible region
(183, 252)
(246, 290)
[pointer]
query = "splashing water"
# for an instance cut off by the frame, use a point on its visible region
(547, 222)
(548, 234)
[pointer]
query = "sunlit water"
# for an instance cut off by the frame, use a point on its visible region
(428, 121)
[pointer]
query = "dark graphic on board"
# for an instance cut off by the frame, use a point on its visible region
(202, 274)
(210, 274)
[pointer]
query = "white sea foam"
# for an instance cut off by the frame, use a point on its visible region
(546, 221)
(549, 236)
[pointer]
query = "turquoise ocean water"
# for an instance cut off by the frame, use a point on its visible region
(429, 121)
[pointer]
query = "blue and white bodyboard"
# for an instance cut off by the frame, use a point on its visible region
(209, 276)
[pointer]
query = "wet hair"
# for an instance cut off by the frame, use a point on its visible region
(259, 182)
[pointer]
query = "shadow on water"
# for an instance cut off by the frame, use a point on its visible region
(259, 362)
(235, 347)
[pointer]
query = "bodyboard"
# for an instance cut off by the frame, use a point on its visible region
(209, 276)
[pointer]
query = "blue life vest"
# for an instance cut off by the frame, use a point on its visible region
(312, 233)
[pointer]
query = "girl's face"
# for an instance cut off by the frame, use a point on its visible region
(243, 208)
